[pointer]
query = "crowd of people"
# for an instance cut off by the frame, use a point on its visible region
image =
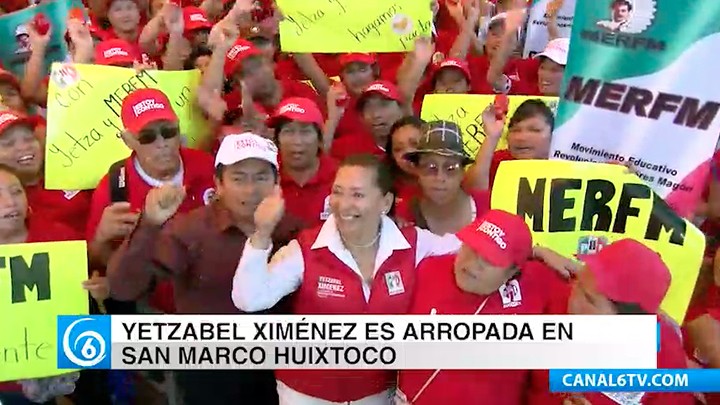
(318, 167)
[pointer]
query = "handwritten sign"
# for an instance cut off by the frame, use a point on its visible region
(38, 282)
(576, 208)
(84, 126)
(338, 26)
(466, 111)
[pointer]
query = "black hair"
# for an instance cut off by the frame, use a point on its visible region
(383, 178)
(532, 108)
(281, 123)
(618, 3)
(628, 308)
(197, 52)
(409, 120)
(220, 170)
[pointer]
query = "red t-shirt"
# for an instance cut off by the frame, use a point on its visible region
(355, 144)
(352, 122)
(286, 68)
(41, 229)
(437, 292)
(69, 207)
(198, 180)
(524, 77)
(404, 208)
(310, 202)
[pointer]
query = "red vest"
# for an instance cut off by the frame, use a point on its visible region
(329, 287)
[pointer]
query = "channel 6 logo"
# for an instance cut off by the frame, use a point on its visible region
(83, 341)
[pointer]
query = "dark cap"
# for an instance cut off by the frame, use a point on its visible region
(441, 138)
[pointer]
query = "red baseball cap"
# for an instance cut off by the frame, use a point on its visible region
(115, 52)
(195, 19)
(297, 109)
(9, 118)
(8, 77)
(241, 50)
(145, 106)
(382, 88)
(451, 63)
(502, 239)
(628, 271)
(348, 58)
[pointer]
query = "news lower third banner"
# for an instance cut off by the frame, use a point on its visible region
(614, 382)
(461, 342)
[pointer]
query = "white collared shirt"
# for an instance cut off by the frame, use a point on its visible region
(259, 285)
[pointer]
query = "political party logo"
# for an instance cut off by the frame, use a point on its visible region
(510, 294)
(588, 245)
(621, 26)
(209, 196)
(65, 76)
(325, 214)
(401, 24)
(83, 342)
(22, 40)
(394, 283)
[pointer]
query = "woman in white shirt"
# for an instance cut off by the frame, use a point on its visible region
(357, 262)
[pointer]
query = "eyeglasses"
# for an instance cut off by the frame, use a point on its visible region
(432, 169)
(149, 135)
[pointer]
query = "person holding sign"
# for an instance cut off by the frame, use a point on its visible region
(380, 105)
(200, 250)
(360, 248)
(492, 274)
(624, 278)
(439, 161)
(21, 150)
(18, 225)
(152, 133)
(306, 173)
(529, 134)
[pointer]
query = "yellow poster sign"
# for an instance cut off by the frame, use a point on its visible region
(338, 26)
(83, 132)
(578, 207)
(38, 282)
(466, 111)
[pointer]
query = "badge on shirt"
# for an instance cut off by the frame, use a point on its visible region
(330, 287)
(510, 294)
(625, 398)
(209, 196)
(394, 283)
(69, 194)
(325, 214)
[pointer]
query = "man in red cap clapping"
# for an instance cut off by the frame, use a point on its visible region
(153, 134)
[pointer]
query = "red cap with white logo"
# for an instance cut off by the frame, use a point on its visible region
(241, 50)
(500, 238)
(238, 147)
(458, 64)
(145, 106)
(297, 109)
(115, 52)
(195, 19)
(381, 88)
(9, 118)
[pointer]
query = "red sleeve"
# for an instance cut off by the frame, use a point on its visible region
(445, 40)
(498, 157)
(389, 64)
(100, 200)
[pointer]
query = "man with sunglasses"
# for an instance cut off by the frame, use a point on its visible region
(153, 135)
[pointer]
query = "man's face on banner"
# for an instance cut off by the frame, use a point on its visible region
(621, 12)
(23, 41)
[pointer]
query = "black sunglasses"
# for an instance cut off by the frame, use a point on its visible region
(149, 135)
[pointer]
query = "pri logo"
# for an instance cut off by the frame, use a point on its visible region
(510, 294)
(629, 16)
(83, 341)
(394, 283)
(64, 75)
(589, 245)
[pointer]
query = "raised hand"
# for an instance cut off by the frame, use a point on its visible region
(162, 203)
(493, 123)
(424, 49)
(117, 221)
(269, 213)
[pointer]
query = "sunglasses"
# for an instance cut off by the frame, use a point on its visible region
(149, 135)
(432, 169)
